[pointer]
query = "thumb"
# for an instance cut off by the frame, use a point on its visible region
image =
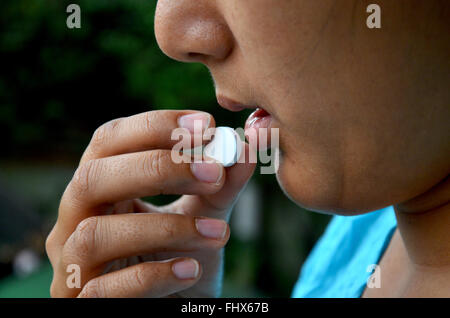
(219, 204)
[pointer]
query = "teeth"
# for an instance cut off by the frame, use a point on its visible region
(226, 146)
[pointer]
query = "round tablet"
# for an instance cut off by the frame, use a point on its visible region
(226, 146)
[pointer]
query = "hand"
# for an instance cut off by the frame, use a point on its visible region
(125, 247)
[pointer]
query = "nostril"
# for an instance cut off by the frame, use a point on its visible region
(195, 55)
(192, 31)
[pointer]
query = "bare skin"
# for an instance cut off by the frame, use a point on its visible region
(417, 260)
(363, 114)
(363, 117)
(126, 247)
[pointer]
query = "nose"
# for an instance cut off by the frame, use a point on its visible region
(192, 31)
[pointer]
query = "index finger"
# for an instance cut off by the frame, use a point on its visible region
(145, 131)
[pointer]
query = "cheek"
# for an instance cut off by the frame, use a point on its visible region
(276, 34)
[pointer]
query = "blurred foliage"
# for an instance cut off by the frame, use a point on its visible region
(57, 85)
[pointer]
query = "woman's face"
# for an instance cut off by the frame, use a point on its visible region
(362, 113)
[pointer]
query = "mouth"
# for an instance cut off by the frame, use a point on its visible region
(257, 125)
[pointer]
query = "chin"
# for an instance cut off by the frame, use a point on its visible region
(319, 190)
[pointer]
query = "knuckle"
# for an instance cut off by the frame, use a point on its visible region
(49, 241)
(151, 120)
(91, 290)
(154, 165)
(85, 176)
(53, 290)
(148, 121)
(171, 225)
(50, 245)
(141, 276)
(103, 133)
(82, 243)
(56, 290)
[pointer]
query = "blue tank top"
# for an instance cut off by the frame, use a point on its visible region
(341, 261)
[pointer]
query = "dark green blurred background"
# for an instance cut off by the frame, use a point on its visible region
(58, 84)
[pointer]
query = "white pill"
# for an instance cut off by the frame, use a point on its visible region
(226, 146)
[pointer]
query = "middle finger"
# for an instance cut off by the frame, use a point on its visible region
(100, 183)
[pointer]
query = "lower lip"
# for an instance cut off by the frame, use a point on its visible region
(257, 120)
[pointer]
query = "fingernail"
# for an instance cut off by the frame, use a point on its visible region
(210, 172)
(211, 228)
(186, 269)
(195, 122)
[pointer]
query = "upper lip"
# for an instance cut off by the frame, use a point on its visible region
(233, 105)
